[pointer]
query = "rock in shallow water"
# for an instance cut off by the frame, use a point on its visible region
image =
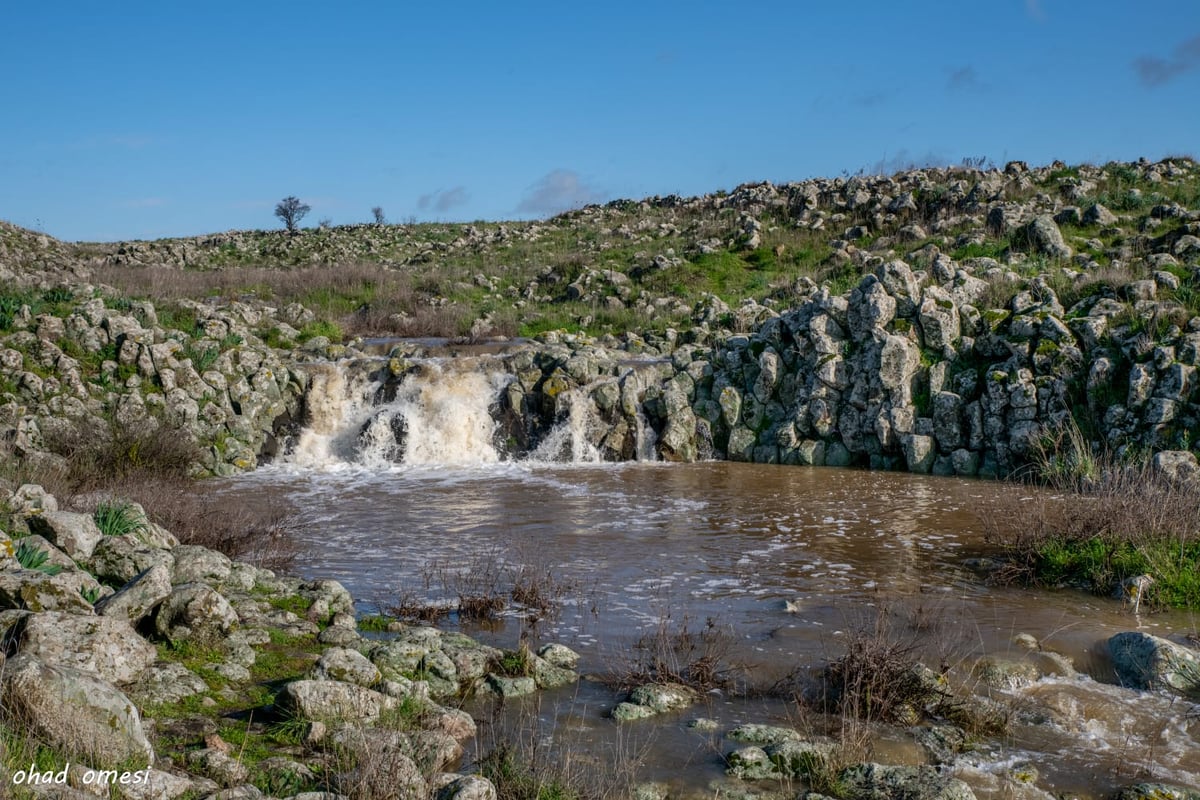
(1143, 661)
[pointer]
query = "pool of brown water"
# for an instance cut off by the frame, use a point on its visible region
(785, 562)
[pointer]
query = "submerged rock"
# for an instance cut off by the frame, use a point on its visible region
(1149, 662)
(1157, 791)
(880, 782)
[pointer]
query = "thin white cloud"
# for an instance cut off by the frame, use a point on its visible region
(1034, 9)
(1154, 71)
(444, 199)
(557, 191)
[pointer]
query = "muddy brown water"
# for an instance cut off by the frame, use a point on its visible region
(785, 559)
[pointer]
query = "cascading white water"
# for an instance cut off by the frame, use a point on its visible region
(571, 439)
(439, 415)
(336, 407)
(442, 416)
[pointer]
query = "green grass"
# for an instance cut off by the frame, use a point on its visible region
(375, 622)
(202, 357)
(330, 330)
(988, 249)
(118, 517)
(30, 557)
(294, 603)
(57, 302)
(1101, 565)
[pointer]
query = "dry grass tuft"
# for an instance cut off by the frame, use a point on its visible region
(700, 658)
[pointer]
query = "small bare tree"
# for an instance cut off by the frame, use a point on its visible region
(377, 212)
(291, 211)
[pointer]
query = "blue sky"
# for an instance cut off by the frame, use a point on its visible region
(140, 120)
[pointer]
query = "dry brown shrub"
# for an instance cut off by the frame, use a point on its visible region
(261, 533)
(700, 658)
(98, 453)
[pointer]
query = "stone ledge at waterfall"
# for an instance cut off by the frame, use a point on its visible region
(903, 372)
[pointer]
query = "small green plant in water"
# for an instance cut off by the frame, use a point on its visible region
(30, 557)
(118, 517)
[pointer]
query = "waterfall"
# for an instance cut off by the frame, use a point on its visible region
(335, 408)
(447, 410)
(439, 416)
(572, 438)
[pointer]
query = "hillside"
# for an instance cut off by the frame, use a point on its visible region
(1076, 285)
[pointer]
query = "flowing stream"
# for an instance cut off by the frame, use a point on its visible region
(407, 498)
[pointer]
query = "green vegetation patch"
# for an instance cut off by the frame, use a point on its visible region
(1102, 566)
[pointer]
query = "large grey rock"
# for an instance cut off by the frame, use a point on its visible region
(939, 319)
(30, 499)
(194, 611)
(218, 765)
(549, 676)
(333, 701)
(880, 782)
(1177, 465)
(167, 682)
(350, 666)
(327, 598)
(109, 647)
(947, 420)
(158, 785)
(74, 534)
(919, 452)
(34, 590)
(138, 597)
(120, 559)
(559, 655)
(898, 363)
(467, 787)
(196, 564)
(75, 712)
(1041, 235)
(508, 687)
(1099, 215)
(662, 697)
(871, 308)
(1149, 662)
